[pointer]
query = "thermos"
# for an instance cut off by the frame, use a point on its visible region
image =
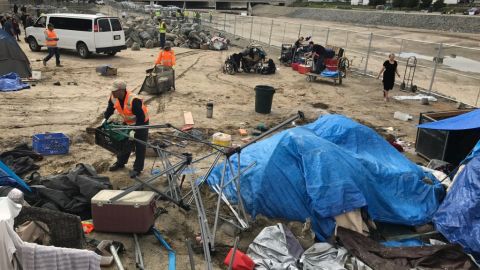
(209, 110)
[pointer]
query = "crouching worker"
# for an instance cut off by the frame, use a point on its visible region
(134, 113)
(166, 58)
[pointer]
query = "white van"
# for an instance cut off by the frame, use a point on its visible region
(80, 32)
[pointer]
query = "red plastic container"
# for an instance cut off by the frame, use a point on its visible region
(331, 64)
(240, 262)
(295, 66)
(304, 69)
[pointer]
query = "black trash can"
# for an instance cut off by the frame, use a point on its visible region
(263, 98)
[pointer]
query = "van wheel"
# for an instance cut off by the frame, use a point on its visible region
(33, 44)
(82, 50)
(112, 53)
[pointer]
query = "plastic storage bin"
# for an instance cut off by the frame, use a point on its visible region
(51, 144)
(113, 142)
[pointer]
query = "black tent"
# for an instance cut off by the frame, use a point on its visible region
(12, 57)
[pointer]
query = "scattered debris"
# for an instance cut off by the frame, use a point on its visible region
(416, 97)
(106, 70)
(402, 116)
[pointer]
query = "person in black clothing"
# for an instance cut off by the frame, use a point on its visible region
(318, 54)
(15, 8)
(134, 112)
(389, 69)
(16, 29)
(8, 26)
(23, 9)
(28, 22)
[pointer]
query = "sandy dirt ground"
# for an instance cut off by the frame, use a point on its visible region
(71, 108)
(458, 77)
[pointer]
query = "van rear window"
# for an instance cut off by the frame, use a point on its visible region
(74, 24)
(116, 26)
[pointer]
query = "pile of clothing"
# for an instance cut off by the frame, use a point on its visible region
(69, 192)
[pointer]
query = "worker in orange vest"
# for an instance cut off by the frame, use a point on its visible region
(134, 113)
(51, 40)
(166, 57)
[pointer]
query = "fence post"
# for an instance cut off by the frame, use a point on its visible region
(284, 28)
(346, 41)
(235, 27)
(326, 38)
(401, 48)
(435, 68)
(299, 31)
(368, 54)
(251, 29)
(270, 37)
(260, 34)
(224, 21)
(478, 96)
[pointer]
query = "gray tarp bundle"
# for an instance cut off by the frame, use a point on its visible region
(276, 248)
(323, 256)
(12, 58)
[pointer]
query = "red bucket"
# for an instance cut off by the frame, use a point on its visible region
(304, 69)
(295, 66)
(240, 262)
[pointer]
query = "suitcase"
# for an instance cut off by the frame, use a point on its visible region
(133, 213)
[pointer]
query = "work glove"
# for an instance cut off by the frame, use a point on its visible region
(131, 135)
(173, 67)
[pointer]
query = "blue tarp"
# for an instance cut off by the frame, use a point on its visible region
(329, 74)
(475, 152)
(330, 167)
(464, 121)
(9, 178)
(405, 243)
(11, 82)
(458, 217)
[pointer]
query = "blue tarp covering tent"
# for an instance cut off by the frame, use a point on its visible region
(458, 217)
(329, 167)
(464, 121)
(9, 178)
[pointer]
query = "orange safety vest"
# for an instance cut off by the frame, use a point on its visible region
(50, 35)
(166, 58)
(126, 112)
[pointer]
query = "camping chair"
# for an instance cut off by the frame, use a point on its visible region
(65, 230)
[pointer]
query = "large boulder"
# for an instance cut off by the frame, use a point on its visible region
(149, 44)
(135, 47)
(129, 42)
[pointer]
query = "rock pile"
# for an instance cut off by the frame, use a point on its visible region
(144, 33)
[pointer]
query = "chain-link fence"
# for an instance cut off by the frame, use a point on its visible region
(447, 70)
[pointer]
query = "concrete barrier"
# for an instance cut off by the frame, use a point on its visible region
(452, 23)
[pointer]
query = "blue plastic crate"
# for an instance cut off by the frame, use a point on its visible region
(51, 144)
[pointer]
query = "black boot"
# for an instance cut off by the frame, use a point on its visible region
(116, 166)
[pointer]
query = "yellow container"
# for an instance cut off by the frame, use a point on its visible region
(222, 139)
